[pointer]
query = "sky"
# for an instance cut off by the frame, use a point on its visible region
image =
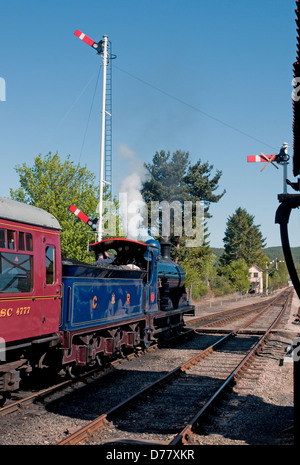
(212, 78)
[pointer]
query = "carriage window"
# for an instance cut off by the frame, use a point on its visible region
(29, 246)
(15, 272)
(8, 240)
(3, 238)
(11, 239)
(50, 264)
(21, 241)
(25, 239)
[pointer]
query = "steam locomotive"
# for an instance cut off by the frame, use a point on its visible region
(65, 314)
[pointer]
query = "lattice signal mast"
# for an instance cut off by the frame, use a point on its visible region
(103, 47)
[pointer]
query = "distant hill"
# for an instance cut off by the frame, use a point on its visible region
(276, 252)
(271, 252)
(217, 252)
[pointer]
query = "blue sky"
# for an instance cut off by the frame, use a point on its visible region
(210, 78)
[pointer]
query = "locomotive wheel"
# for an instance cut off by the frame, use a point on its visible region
(99, 360)
(121, 352)
(74, 371)
(177, 330)
(146, 341)
(166, 335)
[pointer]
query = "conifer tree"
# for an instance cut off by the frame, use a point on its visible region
(243, 240)
(173, 178)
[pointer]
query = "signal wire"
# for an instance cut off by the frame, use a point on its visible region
(193, 107)
(89, 116)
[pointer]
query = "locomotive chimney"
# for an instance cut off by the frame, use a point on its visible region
(166, 250)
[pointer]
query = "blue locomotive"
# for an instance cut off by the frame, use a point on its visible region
(131, 299)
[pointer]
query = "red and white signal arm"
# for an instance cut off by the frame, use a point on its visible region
(258, 158)
(82, 216)
(96, 45)
(262, 158)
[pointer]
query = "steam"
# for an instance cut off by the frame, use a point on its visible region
(133, 209)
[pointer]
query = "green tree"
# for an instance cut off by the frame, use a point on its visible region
(165, 180)
(243, 240)
(174, 178)
(220, 285)
(54, 185)
(201, 186)
(237, 273)
(279, 277)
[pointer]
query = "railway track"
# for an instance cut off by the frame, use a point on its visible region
(170, 409)
(56, 391)
(230, 315)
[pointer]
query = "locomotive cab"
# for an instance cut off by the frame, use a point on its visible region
(123, 254)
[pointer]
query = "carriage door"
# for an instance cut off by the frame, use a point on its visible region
(51, 290)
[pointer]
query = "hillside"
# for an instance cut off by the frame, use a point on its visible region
(271, 252)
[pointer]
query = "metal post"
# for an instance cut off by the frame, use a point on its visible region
(102, 140)
(285, 162)
(284, 178)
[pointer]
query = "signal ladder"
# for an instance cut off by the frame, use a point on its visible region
(108, 122)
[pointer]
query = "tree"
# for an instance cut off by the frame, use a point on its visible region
(53, 185)
(199, 268)
(200, 186)
(279, 277)
(175, 179)
(243, 240)
(166, 177)
(220, 285)
(237, 272)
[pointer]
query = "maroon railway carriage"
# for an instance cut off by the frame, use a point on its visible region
(30, 281)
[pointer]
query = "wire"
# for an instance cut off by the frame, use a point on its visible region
(76, 100)
(88, 120)
(194, 108)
